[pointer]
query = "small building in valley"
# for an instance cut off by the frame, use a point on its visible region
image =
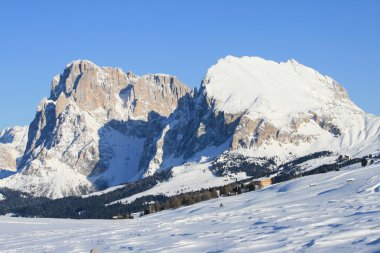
(263, 182)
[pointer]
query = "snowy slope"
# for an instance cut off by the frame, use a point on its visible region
(186, 178)
(333, 216)
(270, 89)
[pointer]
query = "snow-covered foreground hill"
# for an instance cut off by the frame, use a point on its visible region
(332, 212)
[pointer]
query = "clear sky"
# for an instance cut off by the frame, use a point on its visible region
(183, 38)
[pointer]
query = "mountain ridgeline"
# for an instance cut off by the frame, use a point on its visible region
(103, 127)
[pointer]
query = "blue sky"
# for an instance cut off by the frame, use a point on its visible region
(184, 38)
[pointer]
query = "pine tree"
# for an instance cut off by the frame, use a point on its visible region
(226, 190)
(175, 202)
(364, 162)
(213, 193)
(206, 196)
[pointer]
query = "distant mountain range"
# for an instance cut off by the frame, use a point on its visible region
(102, 127)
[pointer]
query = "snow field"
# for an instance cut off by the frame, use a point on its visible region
(333, 216)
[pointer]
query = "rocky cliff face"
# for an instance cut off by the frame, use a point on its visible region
(90, 133)
(102, 127)
(12, 146)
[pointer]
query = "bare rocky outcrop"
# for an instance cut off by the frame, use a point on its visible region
(154, 93)
(12, 146)
(253, 133)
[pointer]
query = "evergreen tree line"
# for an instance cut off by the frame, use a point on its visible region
(190, 198)
(74, 207)
(95, 207)
(342, 161)
(228, 163)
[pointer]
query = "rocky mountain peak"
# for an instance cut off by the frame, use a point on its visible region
(114, 93)
(154, 92)
(67, 81)
(94, 125)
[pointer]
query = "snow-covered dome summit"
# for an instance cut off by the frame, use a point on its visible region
(264, 88)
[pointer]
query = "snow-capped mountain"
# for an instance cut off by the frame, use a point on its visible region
(290, 107)
(102, 127)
